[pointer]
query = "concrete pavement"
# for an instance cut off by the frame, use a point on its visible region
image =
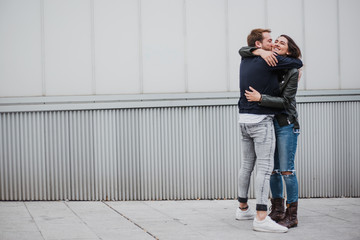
(325, 218)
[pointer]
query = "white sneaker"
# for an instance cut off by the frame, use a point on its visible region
(249, 214)
(268, 225)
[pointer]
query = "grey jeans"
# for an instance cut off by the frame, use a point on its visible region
(258, 146)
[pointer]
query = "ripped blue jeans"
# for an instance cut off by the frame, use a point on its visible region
(286, 144)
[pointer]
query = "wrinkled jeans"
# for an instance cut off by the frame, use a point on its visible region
(258, 146)
(286, 144)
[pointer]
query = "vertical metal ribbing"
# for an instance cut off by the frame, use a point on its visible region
(190, 152)
(64, 155)
(142, 148)
(56, 155)
(155, 158)
(207, 156)
(199, 156)
(355, 140)
(223, 128)
(105, 153)
(30, 164)
(164, 153)
(122, 154)
(9, 155)
(50, 154)
(328, 149)
(215, 149)
(186, 154)
(229, 144)
(341, 158)
(147, 155)
(15, 157)
(154, 154)
(303, 152)
(223, 135)
(176, 168)
(2, 155)
(348, 150)
(213, 173)
(27, 172)
(130, 166)
(99, 160)
(133, 150)
(121, 151)
(232, 148)
(82, 155)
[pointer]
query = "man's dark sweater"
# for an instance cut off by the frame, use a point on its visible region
(255, 72)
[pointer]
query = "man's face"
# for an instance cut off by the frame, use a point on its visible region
(266, 43)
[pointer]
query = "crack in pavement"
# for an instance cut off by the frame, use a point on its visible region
(127, 218)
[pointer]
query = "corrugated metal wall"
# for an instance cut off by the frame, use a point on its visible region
(328, 157)
(164, 153)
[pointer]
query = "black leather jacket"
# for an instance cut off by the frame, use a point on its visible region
(288, 83)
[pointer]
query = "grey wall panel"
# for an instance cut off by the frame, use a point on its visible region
(164, 153)
(21, 47)
(348, 15)
(116, 39)
(158, 46)
(68, 47)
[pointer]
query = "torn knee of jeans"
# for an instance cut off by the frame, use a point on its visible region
(276, 172)
(288, 173)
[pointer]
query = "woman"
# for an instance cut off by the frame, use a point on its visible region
(287, 130)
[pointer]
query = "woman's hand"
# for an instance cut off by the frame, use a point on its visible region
(253, 95)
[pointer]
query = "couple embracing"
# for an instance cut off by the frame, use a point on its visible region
(269, 74)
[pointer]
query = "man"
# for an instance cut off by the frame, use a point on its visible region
(257, 129)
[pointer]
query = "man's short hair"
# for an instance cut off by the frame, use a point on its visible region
(256, 35)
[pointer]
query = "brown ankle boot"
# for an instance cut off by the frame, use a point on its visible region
(290, 219)
(277, 209)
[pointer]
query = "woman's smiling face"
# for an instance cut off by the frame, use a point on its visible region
(281, 46)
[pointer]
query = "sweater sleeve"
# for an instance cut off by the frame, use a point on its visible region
(283, 62)
(287, 63)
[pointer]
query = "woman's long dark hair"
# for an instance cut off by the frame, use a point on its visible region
(293, 48)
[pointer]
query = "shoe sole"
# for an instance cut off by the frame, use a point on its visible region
(249, 218)
(290, 226)
(269, 231)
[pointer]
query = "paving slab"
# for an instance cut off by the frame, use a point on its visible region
(321, 218)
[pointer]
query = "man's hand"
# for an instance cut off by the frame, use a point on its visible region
(268, 56)
(253, 95)
(300, 74)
